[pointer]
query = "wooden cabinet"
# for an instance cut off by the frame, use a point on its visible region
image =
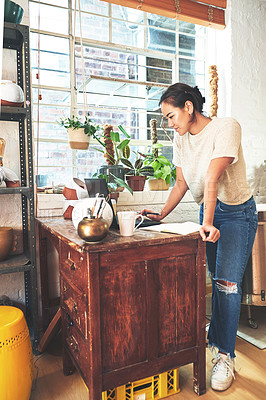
(131, 307)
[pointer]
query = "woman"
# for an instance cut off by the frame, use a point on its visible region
(209, 162)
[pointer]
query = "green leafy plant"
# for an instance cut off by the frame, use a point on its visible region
(116, 147)
(89, 127)
(162, 167)
(137, 168)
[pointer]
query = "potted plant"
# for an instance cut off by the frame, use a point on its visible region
(116, 147)
(164, 170)
(79, 132)
(137, 173)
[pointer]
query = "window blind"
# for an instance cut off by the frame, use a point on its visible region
(207, 13)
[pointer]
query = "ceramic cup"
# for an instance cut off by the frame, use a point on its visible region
(127, 220)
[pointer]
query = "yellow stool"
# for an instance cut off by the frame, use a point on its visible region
(16, 369)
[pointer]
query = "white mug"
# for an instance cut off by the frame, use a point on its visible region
(127, 220)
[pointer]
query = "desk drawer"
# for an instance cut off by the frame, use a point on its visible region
(74, 302)
(78, 347)
(73, 265)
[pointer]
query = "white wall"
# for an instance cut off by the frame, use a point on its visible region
(249, 84)
(240, 54)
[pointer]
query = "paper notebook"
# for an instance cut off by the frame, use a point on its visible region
(181, 228)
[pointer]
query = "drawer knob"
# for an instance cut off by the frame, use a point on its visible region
(73, 267)
(71, 264)
(73, 344)
(71, 323)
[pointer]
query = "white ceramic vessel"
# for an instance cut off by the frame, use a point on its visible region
(11, 94)
(81, 210)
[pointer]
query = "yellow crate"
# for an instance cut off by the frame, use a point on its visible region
(154, 387)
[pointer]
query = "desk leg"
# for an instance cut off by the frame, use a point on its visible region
(44, 281)
(199, 373)
(68, 365)
(94, 328)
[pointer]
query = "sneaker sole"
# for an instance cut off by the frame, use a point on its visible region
(217, 389)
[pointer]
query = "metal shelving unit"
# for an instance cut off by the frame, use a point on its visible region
(16, 37)
(254, 282)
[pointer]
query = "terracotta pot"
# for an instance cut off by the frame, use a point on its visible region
(12, 184)
(158, 184)
(2, 150)
(68, 213)
(6, 242)
(68, 206)
(136, 183)
(77, 139)
(114, 195)
(70, 194)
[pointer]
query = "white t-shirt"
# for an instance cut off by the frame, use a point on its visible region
(220, 138)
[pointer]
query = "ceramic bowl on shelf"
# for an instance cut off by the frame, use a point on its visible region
(11, 94)
(12, 184)
(9, 177)
(13, 12)
(6, 241)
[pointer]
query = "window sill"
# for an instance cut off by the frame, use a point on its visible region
(148, 197)
(52, 205)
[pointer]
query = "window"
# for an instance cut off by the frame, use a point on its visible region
(126, 58)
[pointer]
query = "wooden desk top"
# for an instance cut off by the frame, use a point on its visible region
(65, 230)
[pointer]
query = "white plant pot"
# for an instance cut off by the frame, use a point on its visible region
(77, 139)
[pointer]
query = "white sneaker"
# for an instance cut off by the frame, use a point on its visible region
(222, 372)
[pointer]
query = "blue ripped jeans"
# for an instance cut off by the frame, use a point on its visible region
(227, 260)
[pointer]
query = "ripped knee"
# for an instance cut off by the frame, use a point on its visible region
(226, 286)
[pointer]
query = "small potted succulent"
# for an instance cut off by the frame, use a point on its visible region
(79, 132)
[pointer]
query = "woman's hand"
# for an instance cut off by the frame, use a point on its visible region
(152, 215)
(209, 233)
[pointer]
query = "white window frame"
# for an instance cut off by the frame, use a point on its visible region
(174, 58)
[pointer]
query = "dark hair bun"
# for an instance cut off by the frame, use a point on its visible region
(201, 99)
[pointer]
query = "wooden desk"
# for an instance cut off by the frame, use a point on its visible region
(131, 307)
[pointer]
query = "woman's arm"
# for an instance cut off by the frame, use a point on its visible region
(216, 169)
(177, 193)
